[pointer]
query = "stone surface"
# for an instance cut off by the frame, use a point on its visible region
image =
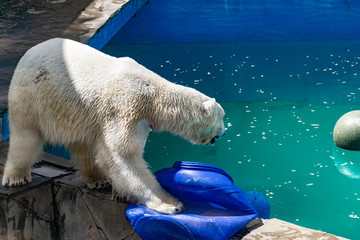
(61, 210)
(276, 229)
(93, 18)
(347, 131)
(99, 213)
(100, 207)
(10, 192)
(61, 207)
(28, 215)
(74, 218)
(57, 161)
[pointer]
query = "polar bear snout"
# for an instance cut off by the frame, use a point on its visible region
(218, 127)
(213, 140)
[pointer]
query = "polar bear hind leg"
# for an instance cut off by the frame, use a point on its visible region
(94, 177)
(25, 146)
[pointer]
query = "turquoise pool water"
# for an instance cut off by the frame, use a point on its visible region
(282, 100)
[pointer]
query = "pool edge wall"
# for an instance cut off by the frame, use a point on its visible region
(242, 20)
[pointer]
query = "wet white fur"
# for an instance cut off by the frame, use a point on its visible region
(102, 108)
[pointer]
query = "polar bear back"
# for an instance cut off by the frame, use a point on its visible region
(64, 83)
(72, 63)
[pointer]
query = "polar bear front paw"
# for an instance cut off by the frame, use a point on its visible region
(170, 206)
(15, 180)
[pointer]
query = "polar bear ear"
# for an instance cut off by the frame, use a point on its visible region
(209, 105)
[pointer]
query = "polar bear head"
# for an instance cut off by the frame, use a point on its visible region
(209, 126)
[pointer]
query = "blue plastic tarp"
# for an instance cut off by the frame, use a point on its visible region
(215, 207)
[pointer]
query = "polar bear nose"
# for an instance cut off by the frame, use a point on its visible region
(212, 141)
(218, 136)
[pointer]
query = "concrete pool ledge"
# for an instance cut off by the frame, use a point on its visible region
(278, 229)
(115, 14)
(58, 205)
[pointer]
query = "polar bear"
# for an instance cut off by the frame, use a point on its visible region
(102, 109)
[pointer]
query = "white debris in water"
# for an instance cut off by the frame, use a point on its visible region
(353, 215)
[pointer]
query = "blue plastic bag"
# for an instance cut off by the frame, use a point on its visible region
(215, 207)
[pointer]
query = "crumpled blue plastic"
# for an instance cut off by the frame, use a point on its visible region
(215, 207)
